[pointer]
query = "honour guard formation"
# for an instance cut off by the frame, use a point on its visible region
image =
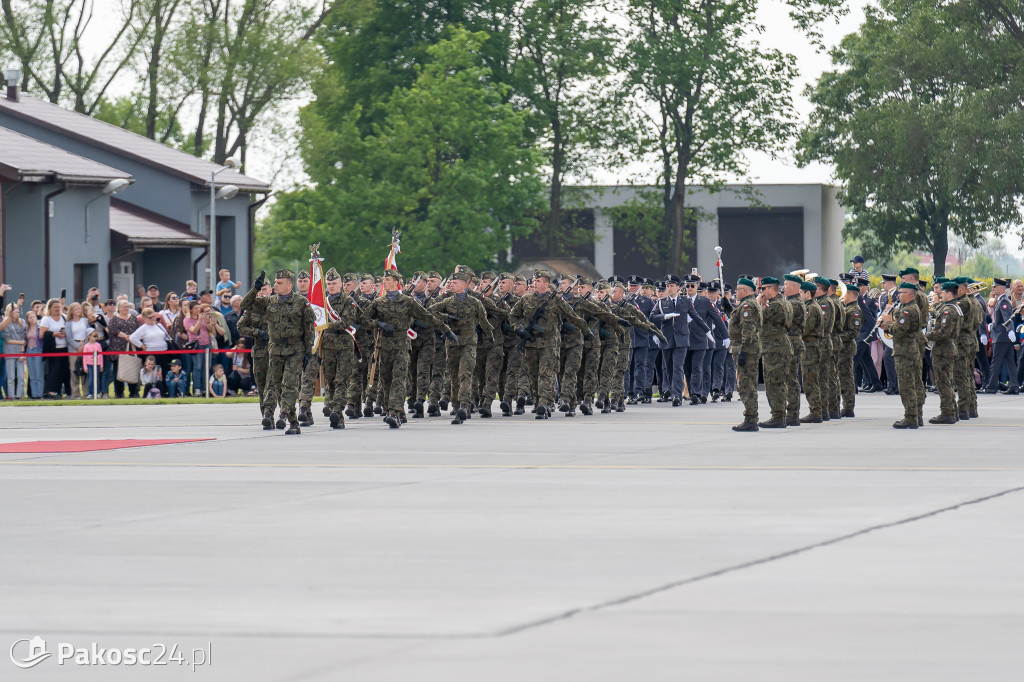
(399, 347)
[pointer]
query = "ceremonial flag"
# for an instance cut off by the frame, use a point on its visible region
(390, 263)
(317, 298)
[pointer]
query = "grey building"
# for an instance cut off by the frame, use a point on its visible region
(762, 229)
(155, 231)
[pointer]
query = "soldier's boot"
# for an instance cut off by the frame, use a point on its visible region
(586, 409)
(327, 409)
(520, 405)
(563, 407)
(336, 421)
(703, 399)
(529, 400)
(906, 423)
(460, 416)
(401, 417)
(695, 399)
(746, 426)
(646, 400)
(846, 414)
(963, 415)
(834, 414)
(793, 421)
(293, 429)
(506, 409)
(350, 411)
(417, 410)
(268, 422)
(825, 416)
(542, 412)
(410, 405)
(392, 421)
(368, 409)
(444, 403)
(727, 398)
(433, 410)
(943, 419)
(630, 400)
(485, 411)
(811, 419)
(620, 407)
(920, 420)
(676, 402)
(973, 412)
(280, 423)
(663, 397)
(599, 403)
(378, 408)
(773, 423)
(571, 412)
(715, 395)
(607, 409)
(305, 418)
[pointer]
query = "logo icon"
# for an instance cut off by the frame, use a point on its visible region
(36, 652)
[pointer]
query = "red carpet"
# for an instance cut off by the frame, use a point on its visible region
(90, 445)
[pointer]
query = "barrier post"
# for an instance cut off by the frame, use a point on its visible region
(206, 377)
(95, 379)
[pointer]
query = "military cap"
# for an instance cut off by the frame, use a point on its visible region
(728, 286)
(793, 278)
(332, 275)
(616, 279)
(546, 274)
(715, 285)
(822, 281)
(583, 280)
(465, 268)
(350, 277)
(660, 285)
(745, 282)
(419, 274)
(962, 281)
(998, 282)
(703, 286)
(635, 280)
(461, 274)
(602, 285)
(434, 274)
(284, 273)
(377, 279)
(923, 283)
(648, 282)
(488, 274)
(365, 276)
(909, 271)
(392, 272)
(940, 280)
(809, 286)
(845, 277)
(303, 274)
(673, 279)
(618, 283)
(863, 282)
(908, 285)
(950, 286)
(769, 280)
(691, 278)
(518, 278)
(888, 278)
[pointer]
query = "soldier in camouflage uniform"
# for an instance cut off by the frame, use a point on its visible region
(924, 309)
(507, 389)
(814, 321)
(948, 321)
(570, 356)
(904, 323)
(392, 314)
(517, 382)
(290, 334)
(432, 376)
(967, 347)
(538, 318)
(827, 365)
(360, 394)
(608, 335)
(464, 314)
(834, 396)
(628, 318)
(848, 351)
(490, 352)
(597, 316)
(745, 344)
(776, 350)
(338, 350)
(254, 325)
(791, 290)
(421, 353)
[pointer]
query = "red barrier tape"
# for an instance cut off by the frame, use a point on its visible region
(127, 352)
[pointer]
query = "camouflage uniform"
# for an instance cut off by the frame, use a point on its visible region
(627, 313)
(290, 325)
(948, 321)
(250, 325)
(834, 395)
(421, 355)
(850, 332)
(512, 359)
(776, 355)
(827, 366)
(905, 327)
(796, 331)
(744, 335)
(570, 360)
(358, 390)
(338, 348)
(464, 314)
(596, 314)
(966, 349)
(490, 352)
(814, 322)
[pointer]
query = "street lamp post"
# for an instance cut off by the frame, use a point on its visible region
(226, 192)
(110, 189)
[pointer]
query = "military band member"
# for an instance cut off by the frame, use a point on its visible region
(904, 323)
(745, 332)
(848, 350)
(812, 337)
(887, 298)
(943, 335)
(791, 290)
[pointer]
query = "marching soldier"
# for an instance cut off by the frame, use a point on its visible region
(359, 393)
(638, 379)
(848, 349)
(943, 335)
(421, 350)
(570, 356)
(776, 351)
(904, 323)
(290, 342)
(629, 318)
(745, 333)
(340, 361)
(812, 337)
(254, 325)
(490, 352)
(597, 316)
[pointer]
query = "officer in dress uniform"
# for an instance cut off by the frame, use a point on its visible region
(888, 298)
(1003, 337)
(721, 351)
(863, 361)
(701, 342)
(670, 313)
(637, 380)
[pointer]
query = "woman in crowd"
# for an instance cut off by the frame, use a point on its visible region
(151, 336)
(34, 341)
(151, 378)
(241, 370)
(200, 327)
(120, 327)
(170, 310)
(77, 328)
(13, 331)
(147, 302)
(55, 341)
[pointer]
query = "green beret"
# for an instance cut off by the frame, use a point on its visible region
(823, 281)
(962, 281)
(833, 282)
(332, 275)
(744, 282)
(791, 278)
(284, 273)
(537, 274)
(809, 286)
(941, 280)
(769, 280)
(350, 277)
(950, 286)
(434, 274)
(908, 285)
(393, 273)
(909, 271)
(303, 274)
(462, 274)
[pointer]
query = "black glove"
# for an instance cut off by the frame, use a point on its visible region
(741, 359)
(306, 360)
(523, 334)
(260, 281)
(385, 326)
(454, 318)
(451, 337)
(624, 323)
(263, 334)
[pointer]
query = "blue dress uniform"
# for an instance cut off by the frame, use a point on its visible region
(654, 358)
(1002, 342)
(671, 314)
(863, 361)
(700, 343)
(888, 361)
(638, 375)
(721, 351)
(983, 330)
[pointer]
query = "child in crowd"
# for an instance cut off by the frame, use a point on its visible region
(151, 378)
(93, 372)
(175, 380)
(218, 382)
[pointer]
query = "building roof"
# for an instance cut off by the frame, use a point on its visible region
(25, 159)
(125, 143)
(146, 229)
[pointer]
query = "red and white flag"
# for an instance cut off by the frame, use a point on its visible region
(322, 311)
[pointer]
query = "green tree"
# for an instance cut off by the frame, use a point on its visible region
(918, 125)
(448, 164)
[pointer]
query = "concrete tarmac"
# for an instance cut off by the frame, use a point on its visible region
(651, 545)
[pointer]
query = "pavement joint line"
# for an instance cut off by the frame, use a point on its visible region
(625, 467)
(566, 615)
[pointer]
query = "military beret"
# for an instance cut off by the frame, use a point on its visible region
(602, 286)
(546, 274)
(465, 268)
(673, 279)
(909, 271)
(808, 286)
(822, 281)
(332, 275)
(888, 278)
(940, 280)
(519, 278)
(434, 274)
(999, 282)
(962, 281)
(391, 272)
(378, 279)
(462, 275)
(488, 274)
(750, 277)
(303, 274)
(769, 280)
(583, 280)
(284, 273)
(350, 277)
(745, 282)
(792, 278)
(505, 275)
(908, 285)
(365, 276)
(950, 286)
(833, 282)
